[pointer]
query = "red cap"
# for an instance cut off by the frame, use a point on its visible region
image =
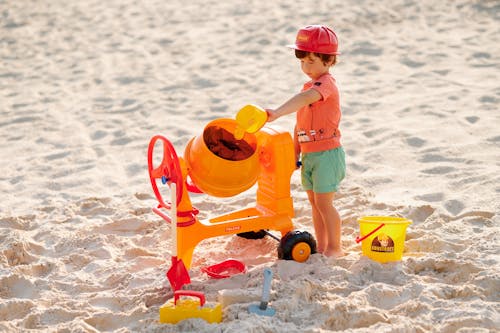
(316, 38)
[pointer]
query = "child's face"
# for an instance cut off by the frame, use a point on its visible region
(313, 66)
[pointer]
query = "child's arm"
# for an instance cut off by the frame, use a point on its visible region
(294, 104)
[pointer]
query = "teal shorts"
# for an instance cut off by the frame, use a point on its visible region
(323, 171)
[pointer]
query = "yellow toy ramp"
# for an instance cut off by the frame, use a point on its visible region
(250, 119)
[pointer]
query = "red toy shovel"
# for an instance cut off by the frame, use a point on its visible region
(177, 274)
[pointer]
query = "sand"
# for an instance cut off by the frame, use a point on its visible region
(84, 85)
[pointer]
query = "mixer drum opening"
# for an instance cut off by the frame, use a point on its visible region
(222, 143)
(219, 164)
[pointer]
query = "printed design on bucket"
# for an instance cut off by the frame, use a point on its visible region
(382, 243)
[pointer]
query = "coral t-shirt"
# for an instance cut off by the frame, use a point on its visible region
(317, 123)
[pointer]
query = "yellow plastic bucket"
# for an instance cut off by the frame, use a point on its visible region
(219, 174)
(382, 237)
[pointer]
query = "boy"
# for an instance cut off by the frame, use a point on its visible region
(316, 133)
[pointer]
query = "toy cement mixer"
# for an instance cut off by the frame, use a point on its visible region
(223, 162)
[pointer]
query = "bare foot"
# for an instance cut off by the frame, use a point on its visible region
(334, 253)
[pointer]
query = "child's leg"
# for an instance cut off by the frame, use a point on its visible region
(331, 228)
(319, 225)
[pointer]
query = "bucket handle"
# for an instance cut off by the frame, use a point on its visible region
(361, 238)
(199, 294)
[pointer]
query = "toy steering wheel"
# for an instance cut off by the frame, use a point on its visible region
(169, 170)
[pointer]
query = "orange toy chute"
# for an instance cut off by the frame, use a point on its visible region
(250, 119)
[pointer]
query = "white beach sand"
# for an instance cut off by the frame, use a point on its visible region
(84, 85)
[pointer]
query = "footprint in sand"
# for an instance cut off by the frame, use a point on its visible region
(454, 207)
(18, 286)
(25, 222)
(21, 252)
(415, 142)
(365, 48)
(472, 119)
(420, 214)
(412, 63)
(433, 158)
(94, 207)
(439, 170)
(494, 139)
(451, 271)
(431, 197)
(429, 243)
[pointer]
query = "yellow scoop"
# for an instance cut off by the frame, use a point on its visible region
(249, 119)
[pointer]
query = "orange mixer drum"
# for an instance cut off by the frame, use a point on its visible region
(218, 163)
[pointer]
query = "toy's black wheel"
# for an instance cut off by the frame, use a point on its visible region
(253, 234)
(297, 245)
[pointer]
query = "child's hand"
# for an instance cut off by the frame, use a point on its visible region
(271, 115)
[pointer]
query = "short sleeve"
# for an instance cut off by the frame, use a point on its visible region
(324, 85)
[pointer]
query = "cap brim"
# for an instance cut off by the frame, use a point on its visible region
(295, 47)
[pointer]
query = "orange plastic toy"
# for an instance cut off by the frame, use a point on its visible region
(218, 164)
